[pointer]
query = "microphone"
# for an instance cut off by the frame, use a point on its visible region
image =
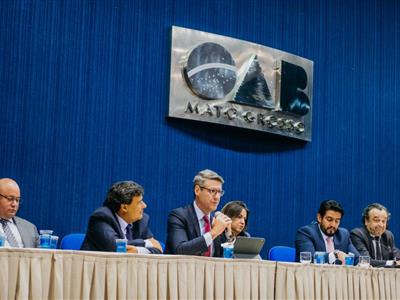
(229, 235)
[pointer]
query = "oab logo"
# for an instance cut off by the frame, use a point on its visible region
(211, 73)
(222, 80)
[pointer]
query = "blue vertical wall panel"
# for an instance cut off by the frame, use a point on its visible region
(84, 98)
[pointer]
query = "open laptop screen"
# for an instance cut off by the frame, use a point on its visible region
(248, 247)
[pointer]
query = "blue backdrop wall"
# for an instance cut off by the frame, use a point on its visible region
(84, 89)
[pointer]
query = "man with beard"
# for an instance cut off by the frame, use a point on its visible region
(326, 236)
(373, 239)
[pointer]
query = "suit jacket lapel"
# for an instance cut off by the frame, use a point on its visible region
(386, 246)
(24, 236)
(337, 242)
(320, 243)
(121, 233)
(194, 220)
(370, 246)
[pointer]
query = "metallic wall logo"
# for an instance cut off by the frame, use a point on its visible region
(228, 81)
(210, 71)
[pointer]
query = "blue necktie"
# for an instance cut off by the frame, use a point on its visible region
(129, 235)
(10, 236)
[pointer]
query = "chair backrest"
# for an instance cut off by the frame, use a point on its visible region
(282, 253)
(162, 246)
(72, 241)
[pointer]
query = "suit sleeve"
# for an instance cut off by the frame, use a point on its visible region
(101, 234)
(178, 241)
(359, 243)
(35, 237)
(353, 250)
(304, 242)
(147, 234)
(396, 251)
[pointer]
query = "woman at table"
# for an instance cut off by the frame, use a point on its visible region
(239, 214)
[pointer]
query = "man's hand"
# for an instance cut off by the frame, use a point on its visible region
(131, 249)
(341, 256)
(156, 244)
(219, 225)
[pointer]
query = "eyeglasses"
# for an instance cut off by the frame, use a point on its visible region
(213, 192)
(11, 199)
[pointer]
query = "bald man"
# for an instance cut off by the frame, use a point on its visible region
(19, 232)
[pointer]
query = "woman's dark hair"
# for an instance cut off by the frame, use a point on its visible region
(122, 192)
(330, 205)
(234, 208)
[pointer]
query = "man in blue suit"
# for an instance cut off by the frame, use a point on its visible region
(326, 235)
(190, 230)
(121, 217)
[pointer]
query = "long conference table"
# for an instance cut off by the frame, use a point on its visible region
(60, 274)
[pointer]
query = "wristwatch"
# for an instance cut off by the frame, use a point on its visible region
(336, 252)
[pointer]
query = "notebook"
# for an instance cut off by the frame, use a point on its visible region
(248, 247)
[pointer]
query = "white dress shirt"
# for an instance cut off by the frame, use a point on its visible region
(15, 232)
(331, 255)
(141, 250)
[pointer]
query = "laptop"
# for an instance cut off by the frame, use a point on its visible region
(248, 247)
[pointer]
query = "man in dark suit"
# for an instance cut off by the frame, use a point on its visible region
(373, 239)
(326, 236)
(18, 232)
(121, 217)
(190, 230)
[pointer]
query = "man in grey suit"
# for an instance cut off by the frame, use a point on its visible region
(191, 230)
(374, 240)
(19, 232)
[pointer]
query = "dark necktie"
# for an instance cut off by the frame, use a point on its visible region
(378, 252)
(129, 235)
(10, 236)
(207, 228)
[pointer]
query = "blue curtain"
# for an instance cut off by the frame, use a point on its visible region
(84, 89)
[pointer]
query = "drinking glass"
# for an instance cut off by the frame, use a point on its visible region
(2, 239)
(44, 238)
(53, 242)
(349, 259)
(305, 257)
(319, 257)
(228, 250)
(364, 261)
(121, 245)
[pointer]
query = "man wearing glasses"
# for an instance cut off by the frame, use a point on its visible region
(19, 233)
(189, 229)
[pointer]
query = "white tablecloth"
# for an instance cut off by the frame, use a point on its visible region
(56, 274)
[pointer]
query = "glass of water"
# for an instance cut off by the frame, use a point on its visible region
(44, 238)
(349, 259)
(228, 250)
(121, 245)
(2, 239)
(364, 261)
(319, 257)
(53, 242)
(305, 257)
